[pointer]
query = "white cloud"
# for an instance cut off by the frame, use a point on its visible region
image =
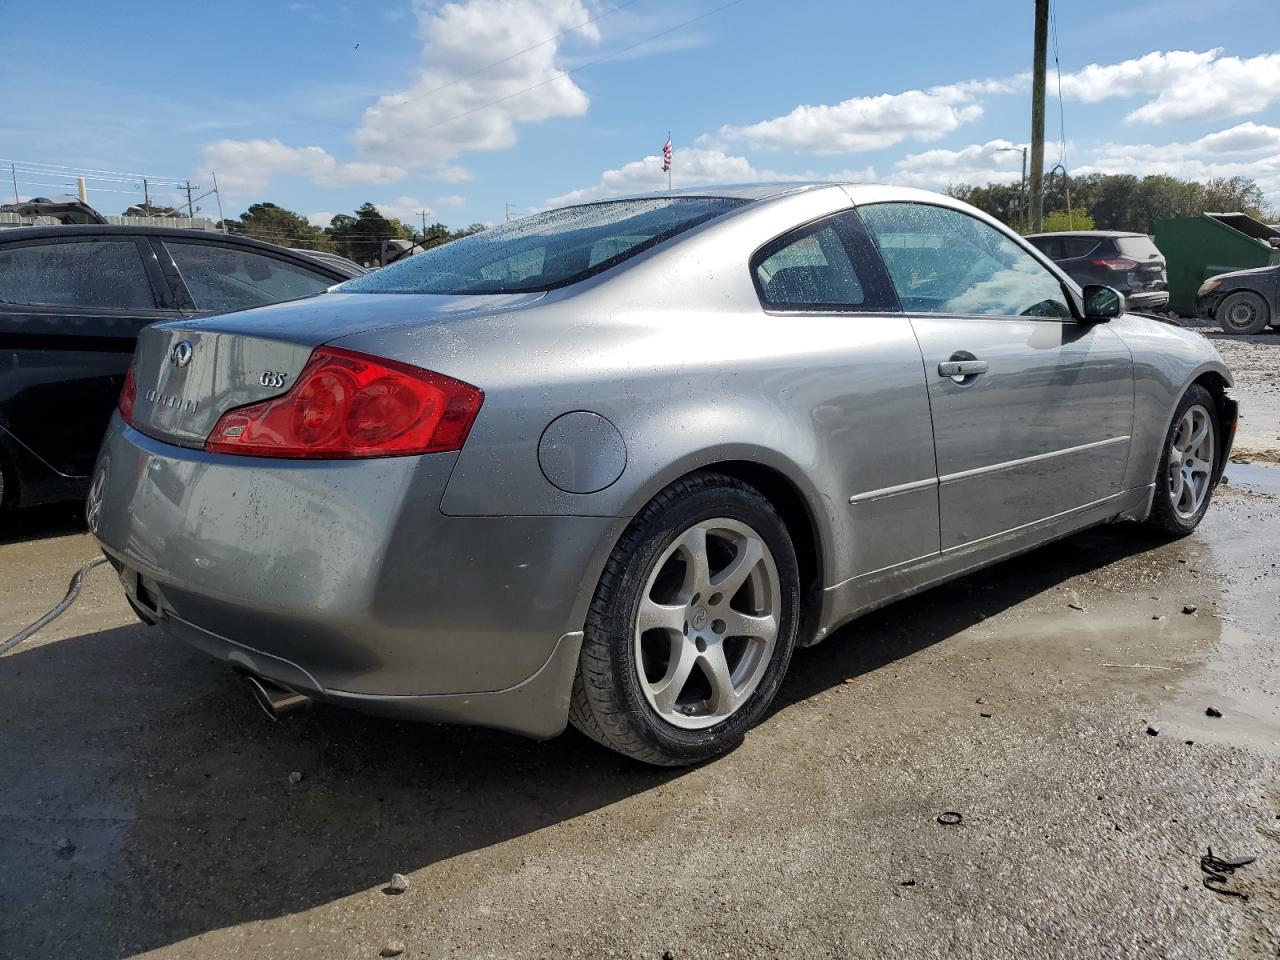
(462, 100)
(1226, 153)
(446, 111)
(320, 218)
(407, 210)
(868, 123)
(1246, 137)
(996, 161)
(1188, 85)
(694, 167)
(451, 200)
(247, 166)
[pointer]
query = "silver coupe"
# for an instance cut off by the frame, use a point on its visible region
(609, 464)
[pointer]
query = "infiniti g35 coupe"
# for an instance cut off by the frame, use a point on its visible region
(610, 464)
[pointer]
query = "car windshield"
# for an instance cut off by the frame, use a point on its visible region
(546, 250)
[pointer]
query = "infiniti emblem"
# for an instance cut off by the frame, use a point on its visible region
(180, 355)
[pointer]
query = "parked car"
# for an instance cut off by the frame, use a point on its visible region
(72, 300)
(1243, 301)
(1129, 262)
(609, 464)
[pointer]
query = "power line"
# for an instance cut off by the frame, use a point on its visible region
(58, 167)
(579, 69)
(1062, 115)
(520, 53)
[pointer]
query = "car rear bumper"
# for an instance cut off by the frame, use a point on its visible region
(1147, 300)
(345, 582)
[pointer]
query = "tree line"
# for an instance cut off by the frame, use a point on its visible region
(1105, 201)
(357, 236)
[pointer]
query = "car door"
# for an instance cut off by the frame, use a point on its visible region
(220, 277)
(71, 307)
(1032, 409)
(854, 377)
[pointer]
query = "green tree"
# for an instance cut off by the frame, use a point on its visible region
(1058, 221)
(1235, 195)
(266, 221)
(360, 237)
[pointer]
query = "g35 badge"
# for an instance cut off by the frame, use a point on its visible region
(273, 378)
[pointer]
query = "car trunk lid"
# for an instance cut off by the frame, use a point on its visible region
(189, 373)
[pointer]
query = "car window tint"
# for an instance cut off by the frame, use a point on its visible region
(1051, 247)
(223, 278)
(811, 269)
(1079, 246)
(945, 261)
(77, 273)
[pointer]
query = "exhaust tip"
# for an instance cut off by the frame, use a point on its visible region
(276, 700)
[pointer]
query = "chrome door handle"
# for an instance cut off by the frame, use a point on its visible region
(959, 370)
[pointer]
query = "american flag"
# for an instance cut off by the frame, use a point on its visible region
(666, 155)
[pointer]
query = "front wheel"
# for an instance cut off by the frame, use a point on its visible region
(692, 625)
(1184, 482)
(1243, 312)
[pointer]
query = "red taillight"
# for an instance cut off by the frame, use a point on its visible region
(347, 405)
(1118, 264)
(128, 396)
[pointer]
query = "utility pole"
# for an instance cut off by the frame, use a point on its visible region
(424, 223)
(146, 196)
(1037, 115)
(14, 170)
(191, 213)
(508, 207)
(218, 196)
(81, 191)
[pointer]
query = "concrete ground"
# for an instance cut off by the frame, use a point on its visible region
(147, 808)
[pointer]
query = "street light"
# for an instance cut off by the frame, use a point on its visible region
(1022, 190)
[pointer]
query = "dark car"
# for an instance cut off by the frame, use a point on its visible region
(72, 302)
(1243, 301)
(1129, 262)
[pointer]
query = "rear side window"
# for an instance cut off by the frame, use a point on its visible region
(106, 274)
(945, 261)
(1051, 247)
(223, 278)
(1139, 248)
(1074, 247)
(828, 265)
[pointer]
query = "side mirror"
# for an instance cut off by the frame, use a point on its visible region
(1102, 303)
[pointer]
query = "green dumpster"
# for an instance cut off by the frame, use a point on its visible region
(1197, 248)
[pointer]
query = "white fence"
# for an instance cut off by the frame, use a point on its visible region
(199, 223)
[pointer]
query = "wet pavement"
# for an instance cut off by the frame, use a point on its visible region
(146, 804)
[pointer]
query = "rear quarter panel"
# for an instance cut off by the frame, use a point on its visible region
(677, 353)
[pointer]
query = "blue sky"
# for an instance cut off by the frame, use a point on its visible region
(279, 100)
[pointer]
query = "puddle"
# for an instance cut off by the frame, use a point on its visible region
(1254, 477)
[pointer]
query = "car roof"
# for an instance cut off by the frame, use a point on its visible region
(1088, 233)
(9, 234)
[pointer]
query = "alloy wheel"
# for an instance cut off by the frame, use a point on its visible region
(1191, 462)
(707, 623)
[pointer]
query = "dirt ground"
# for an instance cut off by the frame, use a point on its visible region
(147, 808)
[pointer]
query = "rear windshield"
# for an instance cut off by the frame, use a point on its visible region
(546, 250)
(1139, 248)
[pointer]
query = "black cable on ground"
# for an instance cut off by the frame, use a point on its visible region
(73, 591)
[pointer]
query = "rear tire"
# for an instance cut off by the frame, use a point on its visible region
(692, 625)
(1185, 479)
(1243, 312)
